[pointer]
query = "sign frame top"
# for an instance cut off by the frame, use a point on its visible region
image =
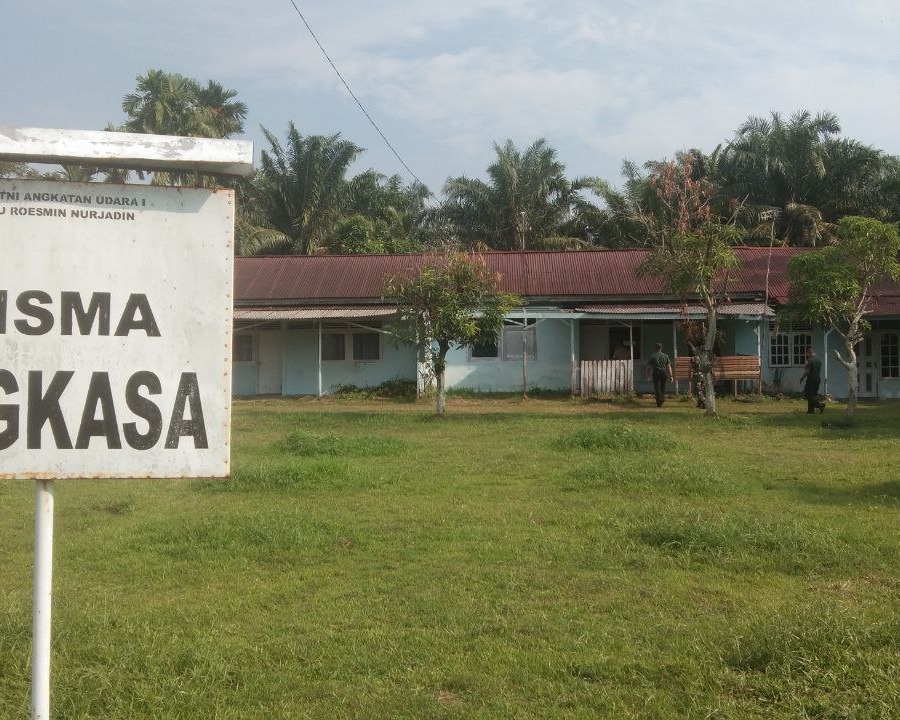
(126, 150)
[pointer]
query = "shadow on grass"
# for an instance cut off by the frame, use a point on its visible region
(883, 493)
(871, 422)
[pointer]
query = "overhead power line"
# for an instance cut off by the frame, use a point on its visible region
(356, 99)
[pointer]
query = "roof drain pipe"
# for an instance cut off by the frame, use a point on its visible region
(524, 351)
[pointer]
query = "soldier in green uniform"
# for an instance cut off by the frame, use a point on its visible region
(660, 367)
(812, 374)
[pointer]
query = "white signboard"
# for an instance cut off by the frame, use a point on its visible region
(115, 330)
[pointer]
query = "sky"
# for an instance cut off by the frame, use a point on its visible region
(601, 80)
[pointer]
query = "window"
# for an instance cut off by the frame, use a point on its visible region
(507, 345)
(366, 346)
(519, 336)
(780, 350)
(890, 355)
(621, 337)
(486, 348)
(801, 342)
(788, 349)
(333, 346)
(242, 348)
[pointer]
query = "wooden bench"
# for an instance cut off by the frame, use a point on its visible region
(725, 367)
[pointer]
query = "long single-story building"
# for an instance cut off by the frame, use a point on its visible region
(306, 325)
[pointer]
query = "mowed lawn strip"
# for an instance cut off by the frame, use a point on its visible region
(539, 559)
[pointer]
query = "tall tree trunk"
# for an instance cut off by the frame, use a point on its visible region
(852, 366)
(440, 367)
(706, 358)
(440, 399)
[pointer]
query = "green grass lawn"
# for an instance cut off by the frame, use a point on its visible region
(540, 559)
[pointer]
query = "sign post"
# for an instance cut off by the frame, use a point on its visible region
(43, 592)
(115, 327)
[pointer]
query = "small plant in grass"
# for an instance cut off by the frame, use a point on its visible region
(396, 389)
(308, 444)
(616, 436)
(840, 423)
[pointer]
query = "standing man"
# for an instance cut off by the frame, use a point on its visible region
(812, 373)
(660, 367)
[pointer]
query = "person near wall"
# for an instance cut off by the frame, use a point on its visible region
(659, 369)
(812, 374)
(621, 352)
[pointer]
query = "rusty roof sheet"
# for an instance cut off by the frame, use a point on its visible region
(322, 279)
(266, 314)
(667, 311)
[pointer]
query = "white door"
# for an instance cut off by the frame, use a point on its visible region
(269, 367)
(867, 363)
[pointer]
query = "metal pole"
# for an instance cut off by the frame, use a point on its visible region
(43, 593)
(319, 359)
(574, 366)
(675, 353)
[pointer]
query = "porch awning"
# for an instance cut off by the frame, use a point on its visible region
(267, 314)
(741, 311)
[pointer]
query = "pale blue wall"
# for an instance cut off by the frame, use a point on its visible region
(243, 378)
(550, 370)
(301, 372)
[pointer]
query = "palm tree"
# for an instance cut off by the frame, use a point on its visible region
(777, 162)
(299, 193)
(224, 115)
(526, 200)
(165, 104)
(781, 168)
(172, 104)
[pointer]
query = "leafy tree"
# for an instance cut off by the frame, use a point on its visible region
(624, 222)
(358, 234)
(526, 200)
(691, 248)
(833, 287)
(453, 300)
(299, 193)
(17, 170)
(381, 215)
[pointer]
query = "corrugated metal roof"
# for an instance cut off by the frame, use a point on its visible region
(667, 312)
(573, 274)
(257, 314)
(883, 305)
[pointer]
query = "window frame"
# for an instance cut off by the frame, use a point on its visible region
(353, 346)
(892, 361)
(787, 348)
